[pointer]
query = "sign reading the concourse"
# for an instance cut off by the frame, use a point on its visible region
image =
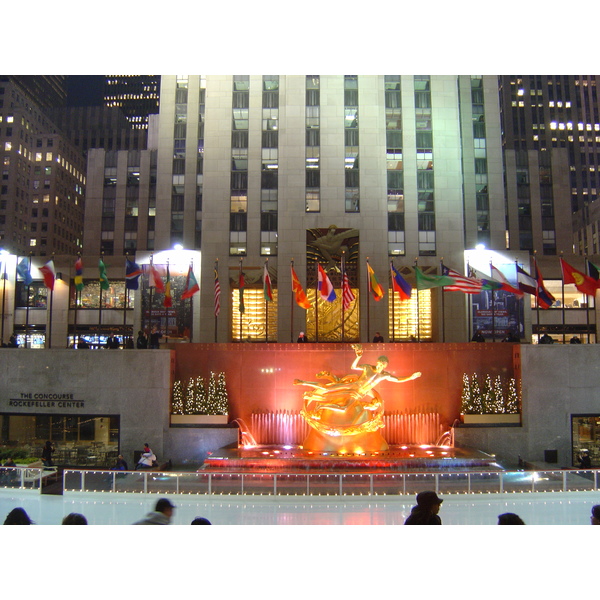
(45, 400)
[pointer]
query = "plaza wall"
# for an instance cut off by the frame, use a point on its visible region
(557, 381)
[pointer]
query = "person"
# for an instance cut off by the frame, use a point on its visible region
(120, 464)
(146, 459)
(74, 519)
(546, 339)
(200, 521)
(378, 338)
(112, 342)
(301, 338)
(129, 343)
(12, 341)
(18, 516)
(511, 337)
(47, 454)
(478, 336)
(82, 344)
(161, 515)
(8, 475)
(426, 511)
(142, 341)
(154, 339)
(510, 519)
(574, 340)
(595, 518)
(585, 462)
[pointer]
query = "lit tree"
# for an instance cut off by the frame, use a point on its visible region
(465, 398)
(476, 404)
(487, 396)
(512, 400)
(497, 406)
(221, 400)
(198, 399)
(177, 399)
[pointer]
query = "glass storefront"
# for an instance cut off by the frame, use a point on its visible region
(78, 440)
(585, 436)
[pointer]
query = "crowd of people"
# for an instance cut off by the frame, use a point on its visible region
(425, 512)
(161, 515)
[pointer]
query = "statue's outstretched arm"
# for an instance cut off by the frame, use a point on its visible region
(403, 379)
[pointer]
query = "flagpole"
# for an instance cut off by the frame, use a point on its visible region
(519, 300)
(562, 298)
(27, 308)
(493, 308)
(215, 306)
(587, 308)
(167, 308)
(443, 303)
(292, 301)
(151, 292)
(343, 302)
(317, 303)
(126, 301)
(100, 305)
(418, 311)
(77, 297)
(266, 306)
(537, 297)
(191, 306)
(3, 299)
(240, 296)
(368, 302)
(50, 315)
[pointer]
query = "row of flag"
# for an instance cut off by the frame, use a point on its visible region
(132, 275)
(450, 280)
(453, 281)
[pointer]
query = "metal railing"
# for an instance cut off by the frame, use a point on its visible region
(26, 477)
(333, 484)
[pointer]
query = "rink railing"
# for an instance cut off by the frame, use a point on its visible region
(305, 484)
(336, 484)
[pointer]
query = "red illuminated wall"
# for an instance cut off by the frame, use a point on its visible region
(260, 377)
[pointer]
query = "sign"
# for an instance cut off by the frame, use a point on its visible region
(45, 400)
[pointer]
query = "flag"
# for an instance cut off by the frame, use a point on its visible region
(526, 282)
(132, 275)
(241, 285)
(49, 274)
(267, 287)
(301, 299)
(467, 285)
(325, 286)
(217, 294)
(374, 286)
(347, 294)
(504, 283)
(168, 299)
(584, 283)
(23, 271)
(426, 282)
(191, 285)
(487, 283)
(103, 276)
(593, 270)
(399, 284)
(78, 274)
(545, 298)
(155, 279)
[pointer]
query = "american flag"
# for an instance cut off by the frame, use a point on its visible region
(347, 295)
(217, 294)
(464, 284)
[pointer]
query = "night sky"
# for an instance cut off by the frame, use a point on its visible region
(85, 90)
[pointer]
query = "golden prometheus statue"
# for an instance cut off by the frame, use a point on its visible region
(346, 414)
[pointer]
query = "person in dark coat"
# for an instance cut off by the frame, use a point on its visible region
(47, 454)
(510, 519)
(142, 341)
(154, 339)
(378, 338)
(426, 510)
(302, 338)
